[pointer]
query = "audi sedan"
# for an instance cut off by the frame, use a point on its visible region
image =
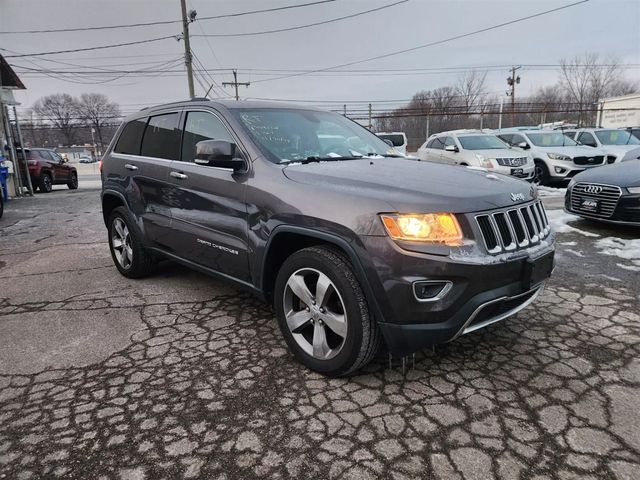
(610, 193)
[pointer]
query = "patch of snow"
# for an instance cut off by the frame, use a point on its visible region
(576, 253)
(559, 221)
(628, 267)
(551, 191)
(569, 244)
(621, 248)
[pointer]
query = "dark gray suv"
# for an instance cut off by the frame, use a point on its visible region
(354, 244)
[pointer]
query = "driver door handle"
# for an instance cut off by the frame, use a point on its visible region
(128, 166)
(179, 175)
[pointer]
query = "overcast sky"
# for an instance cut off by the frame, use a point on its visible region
(607, 27)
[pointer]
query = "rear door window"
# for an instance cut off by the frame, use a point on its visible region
(201, 126)
(129, 141)
(161, 138)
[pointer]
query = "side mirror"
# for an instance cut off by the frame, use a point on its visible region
(388, 142)
(218, 153)
(452, 148)
(524, 145)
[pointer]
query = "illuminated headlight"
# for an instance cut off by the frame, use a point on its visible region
(559, 156)
(634, 190)
(484, 161)
(429, 227)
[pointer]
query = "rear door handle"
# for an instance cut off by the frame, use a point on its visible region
(179, 175)
(128, 166)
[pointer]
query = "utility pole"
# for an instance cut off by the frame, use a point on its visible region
(235, 83)
(512, 81)
(187, 47)
(370, 124)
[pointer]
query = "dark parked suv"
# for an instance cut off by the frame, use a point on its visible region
(47, 168)
(352, 243)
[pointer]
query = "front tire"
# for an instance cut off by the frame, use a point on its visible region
(46, 183)
(323, 313)
(128, 253)
(541, 173)
(73, 183)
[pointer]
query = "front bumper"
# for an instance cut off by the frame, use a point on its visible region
(483, 290)
(526, 172)
(405, 339)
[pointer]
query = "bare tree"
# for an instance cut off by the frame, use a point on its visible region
(97, 111)
(587, 78)
(470, 88)
(61, 109)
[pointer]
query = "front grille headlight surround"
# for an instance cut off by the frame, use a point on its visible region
(634, 190)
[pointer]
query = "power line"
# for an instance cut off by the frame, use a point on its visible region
(431, 44)
(299, 27)
(166, 22)
(149, 40)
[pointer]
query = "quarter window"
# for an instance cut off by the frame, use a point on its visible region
(437, 143)
(162, 137)
(129, 141)
(198, 127)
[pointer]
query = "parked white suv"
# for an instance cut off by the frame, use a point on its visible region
(557, 157)
(619, 144)
(398, 140)
(477, 149)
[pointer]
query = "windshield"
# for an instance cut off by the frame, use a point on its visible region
(616, 137)
(290, 135)
(551, 139)
(397, 140)
(481, 142)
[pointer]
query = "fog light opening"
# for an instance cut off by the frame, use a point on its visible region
(431, 290)
(560, 169)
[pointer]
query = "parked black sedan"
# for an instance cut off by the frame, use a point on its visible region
(610, 193)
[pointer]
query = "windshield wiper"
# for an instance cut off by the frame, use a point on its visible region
(386, 155)
(318, 159)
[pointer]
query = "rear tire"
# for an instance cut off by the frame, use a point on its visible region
(129, 255)
(73, 183)
(46, 183)
(338, 335)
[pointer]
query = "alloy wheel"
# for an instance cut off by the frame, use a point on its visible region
(47, 183)
(121, 243)
(315, 313)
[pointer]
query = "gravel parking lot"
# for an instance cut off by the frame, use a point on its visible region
(179, 375)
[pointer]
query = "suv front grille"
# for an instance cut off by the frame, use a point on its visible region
(512, 162)
(606, 196)
(513, 228)
(595, 160)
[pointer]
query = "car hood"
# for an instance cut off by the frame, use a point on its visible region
(622, 151)
(499, 153)
(574, 150)
(625, 174)
(414, 186)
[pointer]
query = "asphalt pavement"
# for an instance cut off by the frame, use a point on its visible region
(181, 376)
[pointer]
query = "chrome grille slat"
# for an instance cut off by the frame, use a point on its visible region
(606, 195)
(509, 229)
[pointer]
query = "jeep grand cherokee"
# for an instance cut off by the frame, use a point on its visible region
(353, 244)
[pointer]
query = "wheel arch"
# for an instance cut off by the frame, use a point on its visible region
(110, 201)
(286, 240)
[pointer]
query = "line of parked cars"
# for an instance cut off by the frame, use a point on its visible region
(546, 157)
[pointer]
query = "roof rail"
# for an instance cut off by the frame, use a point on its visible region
(199, 99)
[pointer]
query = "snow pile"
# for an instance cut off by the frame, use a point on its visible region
(621, 248)
(551, 192)
(559, 221)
